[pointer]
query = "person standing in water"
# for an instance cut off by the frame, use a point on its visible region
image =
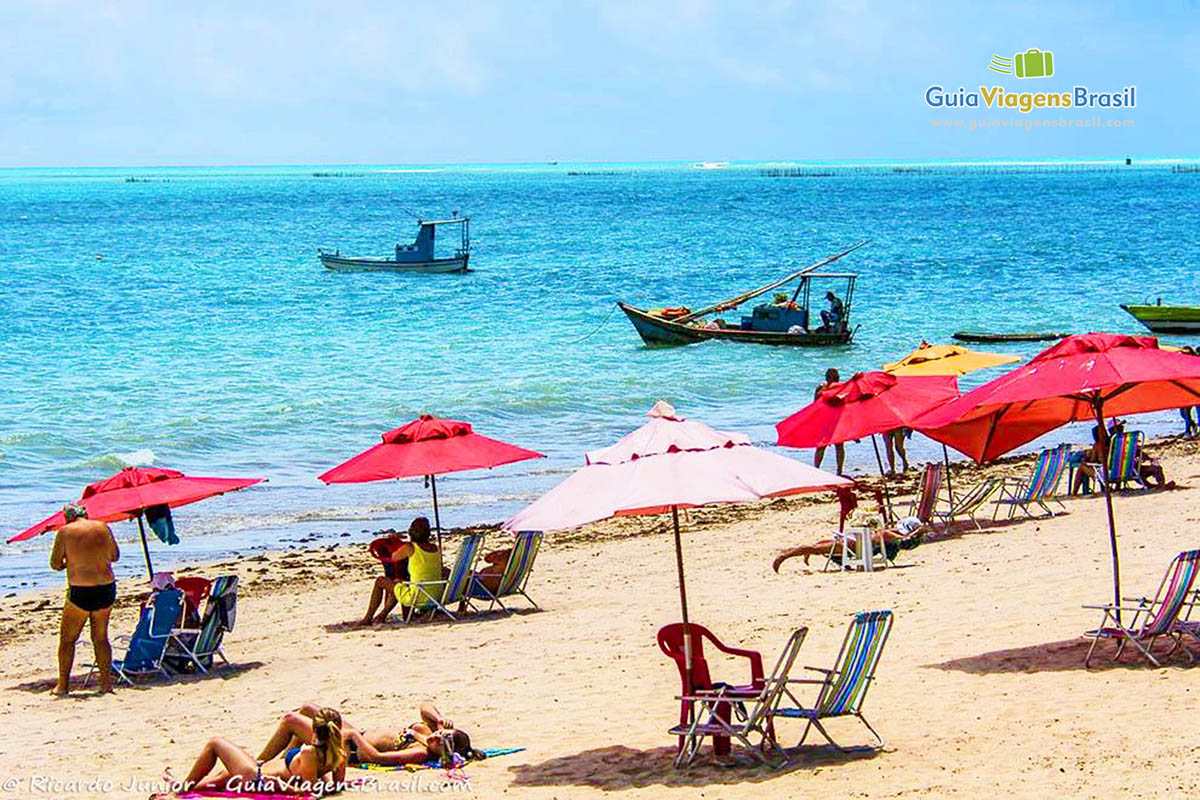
(831, 377)
(86, 550)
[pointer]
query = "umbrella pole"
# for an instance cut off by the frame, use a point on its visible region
(1112, 524)
(145, 547)
(437, 519)
(949, 485)
(887, 496)
(687, 639)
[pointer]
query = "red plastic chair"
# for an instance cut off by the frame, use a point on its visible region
(670, 641)
(196, 590)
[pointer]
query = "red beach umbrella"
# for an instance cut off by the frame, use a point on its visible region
(866, 404)
(428, 446)
(134, 489)
(1085, 377)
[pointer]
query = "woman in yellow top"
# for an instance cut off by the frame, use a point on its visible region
(424, 566)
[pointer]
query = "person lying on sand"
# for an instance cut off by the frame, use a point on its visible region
(433, 738)
(891, 542)
(290, 771)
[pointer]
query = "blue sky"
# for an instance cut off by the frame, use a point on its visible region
(355, 81)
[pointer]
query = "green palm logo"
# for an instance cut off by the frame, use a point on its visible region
(1033, 63)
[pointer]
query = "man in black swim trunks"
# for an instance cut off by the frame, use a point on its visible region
(86, 550)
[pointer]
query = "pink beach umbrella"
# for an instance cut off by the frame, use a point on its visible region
(668, 464)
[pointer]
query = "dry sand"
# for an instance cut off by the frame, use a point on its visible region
(981, 690)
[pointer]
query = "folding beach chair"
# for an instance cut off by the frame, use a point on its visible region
(1152, 618)
(196, 647)
(1124, 462)
(844, 688)
(433, 597)
(709, 712)
(927, 493)
(966, 505)
(670, 641)
(145, 649)
(1040, 488)
(516, 572)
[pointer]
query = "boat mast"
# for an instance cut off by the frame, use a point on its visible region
(734, 302)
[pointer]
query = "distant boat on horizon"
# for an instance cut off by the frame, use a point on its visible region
(416, 257)
(711, 165)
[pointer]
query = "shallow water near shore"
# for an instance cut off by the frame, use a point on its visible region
(185, 313)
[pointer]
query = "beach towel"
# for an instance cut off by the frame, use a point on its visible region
(159, 520)
(434, 763)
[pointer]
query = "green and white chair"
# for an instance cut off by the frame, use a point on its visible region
(434, 597)
(843, 689)
(516, 572)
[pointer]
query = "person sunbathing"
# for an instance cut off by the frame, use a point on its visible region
(491, 575)
(291, 771)
(890, 542)
(434, 738)
(1149, 468)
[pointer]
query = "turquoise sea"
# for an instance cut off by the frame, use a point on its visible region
(185, 314)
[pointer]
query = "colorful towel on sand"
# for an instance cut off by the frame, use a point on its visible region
(434, 764)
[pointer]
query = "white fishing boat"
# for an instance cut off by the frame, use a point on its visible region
(416, 257)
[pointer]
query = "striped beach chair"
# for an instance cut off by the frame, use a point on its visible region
(927, 496)
(434, 597)
(516, 572)
(710, 713)
(1152, 619)
(844, 688)
(968, 504)
(197, 648)
(1041, 487)
(1124, 461)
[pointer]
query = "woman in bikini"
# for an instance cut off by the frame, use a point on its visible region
(291, 771)
(434, 738)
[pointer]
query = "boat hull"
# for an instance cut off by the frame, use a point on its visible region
(660, 332)
(437, 265)
(1167, 319)
(984, 338)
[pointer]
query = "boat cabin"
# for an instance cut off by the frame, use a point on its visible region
(422, 248)
(795, 315)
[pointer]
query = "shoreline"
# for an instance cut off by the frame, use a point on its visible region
(338, 560)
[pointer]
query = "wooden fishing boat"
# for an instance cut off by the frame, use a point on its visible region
(416, 257)
(1167, 319)
(784, 322)
(1027, 336)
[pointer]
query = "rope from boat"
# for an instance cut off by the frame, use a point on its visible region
(593, 331)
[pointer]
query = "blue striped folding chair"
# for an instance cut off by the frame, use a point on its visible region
(1041, 487)
(434, 597)
(516, 572)
(844, 688)
(1155, 618)
(1124, 461)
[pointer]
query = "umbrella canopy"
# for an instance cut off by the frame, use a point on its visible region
(668, 464)
(1065, 383)
(134, 489)
(946, 359)
(868, 403)
(427, 446)
(1081, 378)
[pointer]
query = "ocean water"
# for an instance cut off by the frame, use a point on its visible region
(186, 314)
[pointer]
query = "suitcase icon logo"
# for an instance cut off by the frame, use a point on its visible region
(1033, 63)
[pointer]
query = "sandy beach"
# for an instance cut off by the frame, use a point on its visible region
(981, 689)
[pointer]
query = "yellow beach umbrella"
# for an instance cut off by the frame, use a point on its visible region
(946, 359)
